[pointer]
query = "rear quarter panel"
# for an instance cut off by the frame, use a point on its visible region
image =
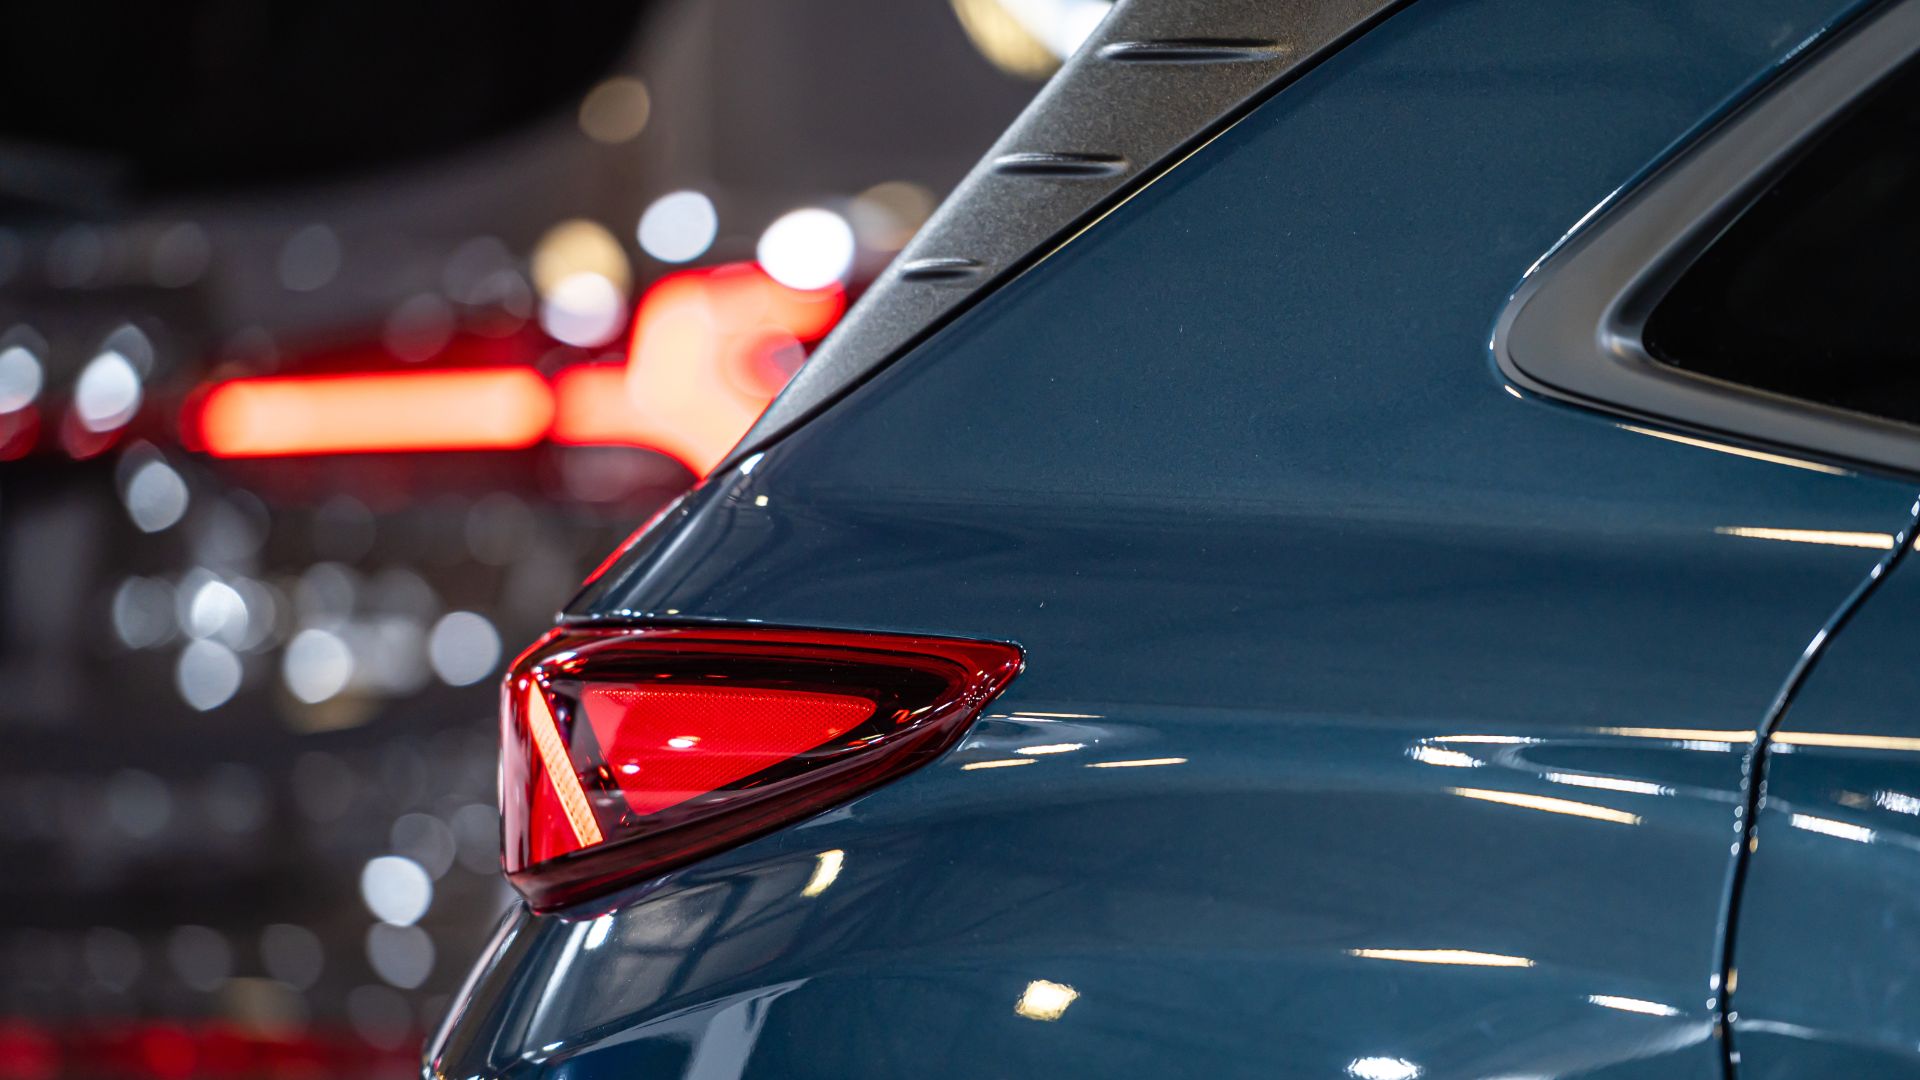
(1410, 667)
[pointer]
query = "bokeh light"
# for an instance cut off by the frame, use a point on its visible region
(107, 393)
(807, 249)
(585, 309)
(310, 258)
(401, 955)
(20, 378)
(463, 648)
(678, 227)
(207, 674)
(181, 255)
(200, 956)
(578, 246)
(156, 497)
(292, 954)
(317, 665)
(142, 612)
(217, 611)
(616, 110)
(396, 889)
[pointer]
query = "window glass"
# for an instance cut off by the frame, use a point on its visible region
(1812, 292)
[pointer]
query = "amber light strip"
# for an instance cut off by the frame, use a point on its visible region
(553, 754)
(1873, 541)
(1679, 734)
(1849, 742)
(1548, 804)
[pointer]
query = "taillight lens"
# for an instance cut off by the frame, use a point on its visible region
(628, 752)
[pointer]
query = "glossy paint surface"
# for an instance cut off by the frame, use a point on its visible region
(1830, 924)
(1378, 720)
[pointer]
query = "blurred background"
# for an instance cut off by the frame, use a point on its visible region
(338, 343)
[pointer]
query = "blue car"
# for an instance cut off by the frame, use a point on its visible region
(1366, 540)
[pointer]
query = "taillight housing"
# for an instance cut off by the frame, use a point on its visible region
(626, 752)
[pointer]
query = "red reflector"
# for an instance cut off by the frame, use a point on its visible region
(648, 735)
(628, 752)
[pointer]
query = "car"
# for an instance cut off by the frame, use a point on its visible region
(1365, 540)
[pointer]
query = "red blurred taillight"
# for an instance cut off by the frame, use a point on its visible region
(627, 752)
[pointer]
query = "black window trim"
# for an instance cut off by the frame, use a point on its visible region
(1573, 330)
(1157, 81)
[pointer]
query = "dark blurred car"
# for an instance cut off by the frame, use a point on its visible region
(319, 380)
(1365, 540)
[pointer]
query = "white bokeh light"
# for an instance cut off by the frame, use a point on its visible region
(207, 674)
(317, 665)
(679, 227)
(156, 497)
(143, 612)
(807, 249)
(396, 889)
(107, 393)
(585, 309)
(217, 611)
(261, 603)
(400, 955)
(20, 378)
(463, 648)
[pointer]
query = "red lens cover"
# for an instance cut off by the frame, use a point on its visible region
(627, 752)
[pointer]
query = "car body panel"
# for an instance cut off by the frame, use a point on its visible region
(1437, 696)
(1830, 915)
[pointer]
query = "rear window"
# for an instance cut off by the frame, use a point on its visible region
(1811, 292)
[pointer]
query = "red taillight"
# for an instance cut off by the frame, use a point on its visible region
(504, 408)
(628, 752)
